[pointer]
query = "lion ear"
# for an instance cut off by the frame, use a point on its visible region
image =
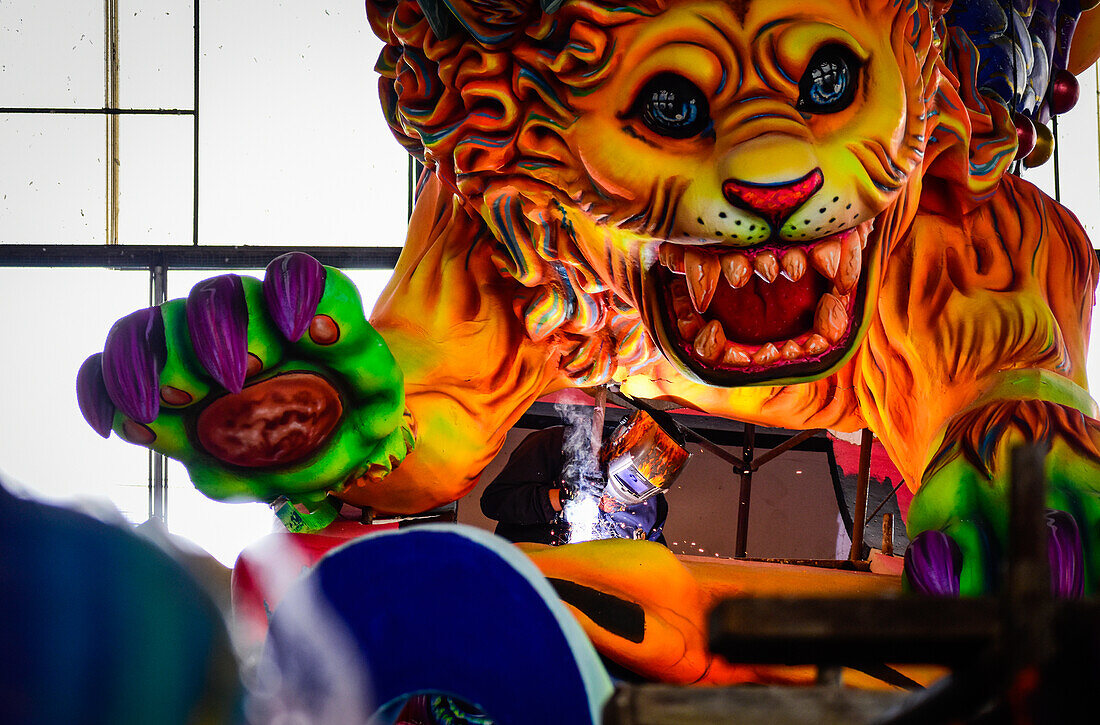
(488, 28)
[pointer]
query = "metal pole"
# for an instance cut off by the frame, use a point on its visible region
(859, 515)
(158, 464)
(888, 534)
(197, 55)
(599, 410)
(746, 491)
(110, 101)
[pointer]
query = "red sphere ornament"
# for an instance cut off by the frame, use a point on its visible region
(1064, 91)
(1044, 147)
(1025, 135)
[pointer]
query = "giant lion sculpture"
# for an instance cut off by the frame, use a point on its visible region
(790, 212)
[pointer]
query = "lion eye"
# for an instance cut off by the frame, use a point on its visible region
(673, 106)
(829, 83)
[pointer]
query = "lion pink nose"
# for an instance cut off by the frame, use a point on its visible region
(772, 201)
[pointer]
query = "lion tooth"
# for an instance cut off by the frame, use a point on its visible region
(831, 319)
(791, 350)
(815, 344)
(767, 266)
(767, 354)
(737, 269)
(794, 264)
(672, 256)
(735, 356)
(681, 300)
(688, 326)
(710, 341)
(826, 257)
(702, 272)
(851, 261)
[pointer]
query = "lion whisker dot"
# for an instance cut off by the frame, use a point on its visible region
(721, 215)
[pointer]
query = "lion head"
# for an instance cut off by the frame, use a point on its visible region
(719, 180)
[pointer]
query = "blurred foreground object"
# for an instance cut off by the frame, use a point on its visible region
(102, 626)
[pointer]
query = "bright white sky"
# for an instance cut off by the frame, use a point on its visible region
(293, 151)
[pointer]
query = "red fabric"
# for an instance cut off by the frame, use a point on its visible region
(269, 567)
(882, 468)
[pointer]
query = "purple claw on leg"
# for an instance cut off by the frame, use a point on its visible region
(217, 318)
(293, 285)
(132, 360)
(1066, 561)
(932, 564)
(92, 397)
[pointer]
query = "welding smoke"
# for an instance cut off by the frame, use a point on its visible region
(582, 474)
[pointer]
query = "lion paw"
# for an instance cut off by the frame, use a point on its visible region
(261, 389)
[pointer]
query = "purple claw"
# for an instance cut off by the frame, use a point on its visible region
(932, 564)
(293, 285)
(1064, 548)
(132, 360)
(92, 397)
(217, 318)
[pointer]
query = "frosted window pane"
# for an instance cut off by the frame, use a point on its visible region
(52, 179)
(51, 56)
(293, 146)
(223, 529)
(155, 179)
(1078, 171)
(54, 319)
(1041, 176)
(370, 282)
(1092, 362)
(156, 41)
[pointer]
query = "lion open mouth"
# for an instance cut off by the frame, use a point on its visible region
(736, 315)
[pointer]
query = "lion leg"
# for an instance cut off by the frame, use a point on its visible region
(958, 521)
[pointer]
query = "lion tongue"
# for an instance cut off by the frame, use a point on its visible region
(763, 312)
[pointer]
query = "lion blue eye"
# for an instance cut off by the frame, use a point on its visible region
(829, 83)
(673, 106)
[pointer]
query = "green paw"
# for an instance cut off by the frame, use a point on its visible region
(262, 390)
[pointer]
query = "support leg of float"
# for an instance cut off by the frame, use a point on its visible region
(859, 514)
(749, 444)
(448, 609)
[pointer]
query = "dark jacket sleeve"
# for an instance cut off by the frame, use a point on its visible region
(520, 494)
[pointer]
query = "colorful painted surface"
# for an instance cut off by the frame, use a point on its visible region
(792, 212)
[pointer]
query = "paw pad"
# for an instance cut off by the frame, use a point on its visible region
(323, 330)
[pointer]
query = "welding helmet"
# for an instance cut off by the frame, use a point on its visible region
(642, 457)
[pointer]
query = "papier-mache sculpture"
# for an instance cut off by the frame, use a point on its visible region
(792, 212)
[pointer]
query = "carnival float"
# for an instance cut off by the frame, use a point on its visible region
(801, 214)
